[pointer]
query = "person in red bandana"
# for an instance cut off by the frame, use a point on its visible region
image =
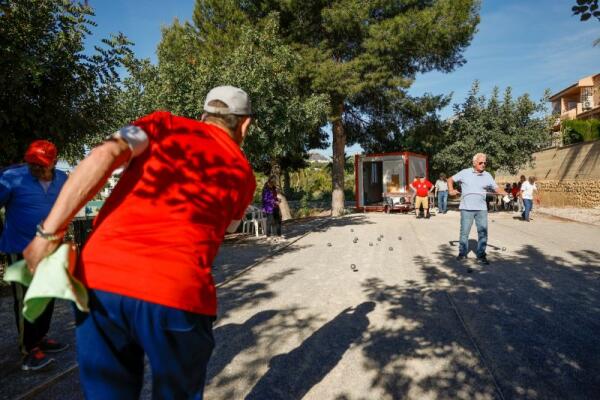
(27, 192)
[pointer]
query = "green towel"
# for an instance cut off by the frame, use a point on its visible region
(52, 279)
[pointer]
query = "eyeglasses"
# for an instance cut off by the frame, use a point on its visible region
(482, 163)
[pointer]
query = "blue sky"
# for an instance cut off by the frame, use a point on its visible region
(529, 45)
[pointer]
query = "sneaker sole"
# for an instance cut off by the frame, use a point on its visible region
(39, 367)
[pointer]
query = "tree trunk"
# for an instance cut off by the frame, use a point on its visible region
(339, 160)
(287, 185)
(284, 207)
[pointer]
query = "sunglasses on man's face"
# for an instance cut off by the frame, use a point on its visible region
(482, 163)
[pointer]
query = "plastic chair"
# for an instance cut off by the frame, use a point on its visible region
(256, 223)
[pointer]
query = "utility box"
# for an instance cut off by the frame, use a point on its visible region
(381, 176)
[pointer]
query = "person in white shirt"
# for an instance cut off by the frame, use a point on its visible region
(527, 189)
(441, 190)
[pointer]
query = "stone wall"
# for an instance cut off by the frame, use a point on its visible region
(566, 176)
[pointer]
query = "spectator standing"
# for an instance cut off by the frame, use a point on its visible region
(527, 189)
(475, 184)
(271, 207)
(441, 191)
(27, 192)
(147, 263)
(422, 188)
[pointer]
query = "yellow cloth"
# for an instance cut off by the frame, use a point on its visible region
(52, 279)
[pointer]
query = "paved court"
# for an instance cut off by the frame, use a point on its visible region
(410, 322)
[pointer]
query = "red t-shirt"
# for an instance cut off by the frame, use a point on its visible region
(422, 188)
(158, 233)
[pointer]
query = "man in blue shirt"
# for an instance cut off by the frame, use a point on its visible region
(27, 193)
(475, 184)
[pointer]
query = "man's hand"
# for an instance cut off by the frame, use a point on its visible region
(37, 249)
(453, 192)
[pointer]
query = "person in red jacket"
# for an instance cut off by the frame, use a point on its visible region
(147, 263)
(422, 188)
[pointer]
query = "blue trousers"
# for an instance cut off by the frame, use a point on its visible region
(527, 206)
(114, 336)
(466, 222)
(442, 198)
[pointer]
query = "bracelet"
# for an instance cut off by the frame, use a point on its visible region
(53, 237)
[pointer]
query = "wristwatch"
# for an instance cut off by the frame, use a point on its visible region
(53, 237)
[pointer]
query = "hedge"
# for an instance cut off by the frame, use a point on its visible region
(580, 130)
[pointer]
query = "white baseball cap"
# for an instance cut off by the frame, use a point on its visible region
(238, 102)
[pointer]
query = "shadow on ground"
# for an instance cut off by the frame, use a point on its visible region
(292, 375)
(535, 318)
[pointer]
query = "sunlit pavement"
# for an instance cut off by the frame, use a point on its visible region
(408, 322)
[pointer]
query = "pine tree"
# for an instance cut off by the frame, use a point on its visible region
(358, 52)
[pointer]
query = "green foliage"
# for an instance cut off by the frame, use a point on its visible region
(577, 130)
(507, 130)
(413, 126)
(314, 182)
(193, 58)
(51, 89)
(364, 54)
(586, 9)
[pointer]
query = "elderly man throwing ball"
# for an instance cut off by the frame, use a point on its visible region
(475, 184)
(147, 263)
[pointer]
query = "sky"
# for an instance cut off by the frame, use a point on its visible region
(529, 45)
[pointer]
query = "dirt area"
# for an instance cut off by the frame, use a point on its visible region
(587, 215)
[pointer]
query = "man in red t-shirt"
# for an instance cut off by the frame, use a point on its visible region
(422, 187)
(147, 263)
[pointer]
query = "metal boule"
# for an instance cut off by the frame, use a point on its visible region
(391, 249)
(329, 244)
(370, 243)
(504, 249)
(399, 237)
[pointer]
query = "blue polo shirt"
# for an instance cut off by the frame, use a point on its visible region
(473, 188)
(26, 204)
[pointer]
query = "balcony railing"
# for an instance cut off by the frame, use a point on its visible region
(569, 114)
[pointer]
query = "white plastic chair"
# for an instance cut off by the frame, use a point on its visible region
(256, 224)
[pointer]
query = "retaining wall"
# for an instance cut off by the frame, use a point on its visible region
(566, 176)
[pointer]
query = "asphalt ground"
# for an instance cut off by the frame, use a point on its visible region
(408, 322)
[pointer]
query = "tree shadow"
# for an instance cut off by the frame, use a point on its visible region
(292, 375)
(524, 327)
(257, 335)
(248, 293)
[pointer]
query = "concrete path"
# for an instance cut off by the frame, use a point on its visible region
(409, 323)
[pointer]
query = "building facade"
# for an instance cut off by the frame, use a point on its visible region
(581, 100)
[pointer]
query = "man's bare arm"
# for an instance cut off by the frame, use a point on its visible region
(84, 182)
(451, 190)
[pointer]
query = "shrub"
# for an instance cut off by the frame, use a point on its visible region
(580, 130)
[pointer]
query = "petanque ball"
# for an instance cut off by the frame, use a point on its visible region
(391, 249)
(329, 244)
